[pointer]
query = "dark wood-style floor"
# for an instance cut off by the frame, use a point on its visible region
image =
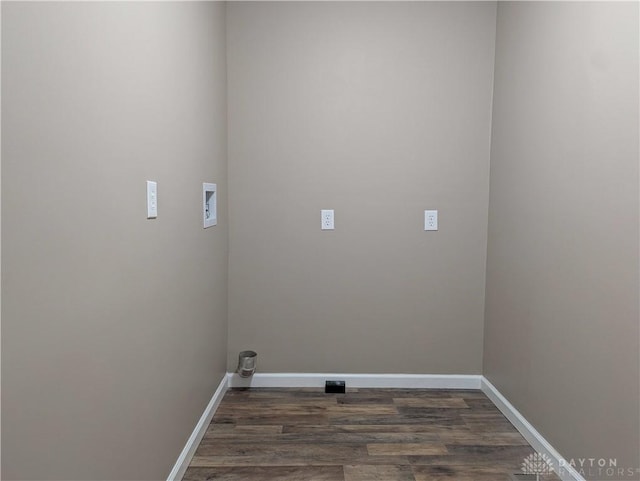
(363, 435)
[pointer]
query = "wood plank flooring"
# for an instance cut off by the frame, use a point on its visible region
(363, 435)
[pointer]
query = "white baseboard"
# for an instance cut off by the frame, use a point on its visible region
(181, 465)
(533, 437)
(402, 381)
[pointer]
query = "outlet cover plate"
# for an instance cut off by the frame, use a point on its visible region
(327, 219)
(430, 220)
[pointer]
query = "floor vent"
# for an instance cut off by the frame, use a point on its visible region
(335, 386)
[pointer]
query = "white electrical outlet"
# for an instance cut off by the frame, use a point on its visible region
(430, 220)
(152, 199)
(326, 219)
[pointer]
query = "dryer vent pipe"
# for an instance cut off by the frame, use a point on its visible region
(247, 361)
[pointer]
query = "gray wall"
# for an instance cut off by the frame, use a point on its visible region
(0, 250)
(114, 326)
(379, 111)
(561, 337)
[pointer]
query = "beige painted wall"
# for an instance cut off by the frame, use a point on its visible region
(561, 337)
(379, 111)
(114, 326)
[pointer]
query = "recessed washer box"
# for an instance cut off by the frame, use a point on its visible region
(209, 204)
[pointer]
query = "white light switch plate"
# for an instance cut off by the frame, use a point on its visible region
(430, 220)
(152, 199)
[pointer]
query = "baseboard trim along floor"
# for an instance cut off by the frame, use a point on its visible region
(531, 434)
(400, 381)
(181, 465)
